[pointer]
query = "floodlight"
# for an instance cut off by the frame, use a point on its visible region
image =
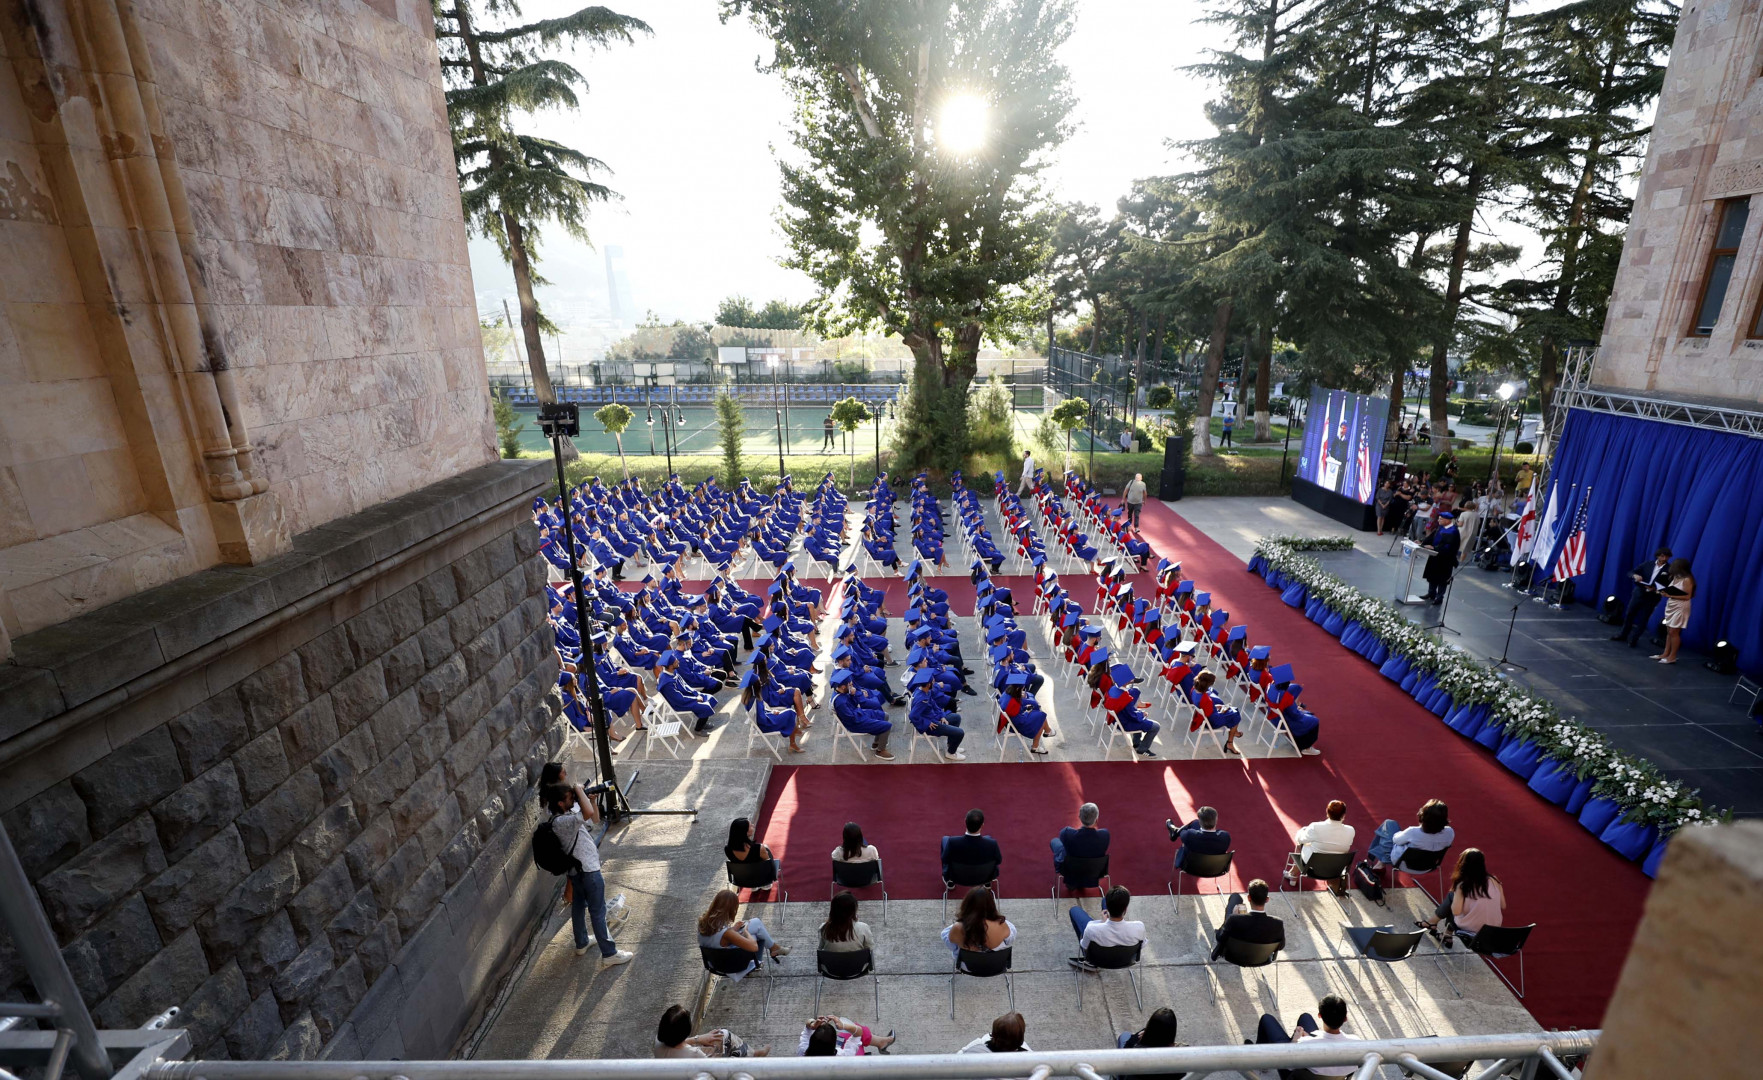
(1506, 391)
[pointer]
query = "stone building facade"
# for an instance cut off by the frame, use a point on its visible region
(235, 302)
(1704, 166)
(275, 675)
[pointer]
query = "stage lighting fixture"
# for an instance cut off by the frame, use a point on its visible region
(1725, 660)
(1612, 612)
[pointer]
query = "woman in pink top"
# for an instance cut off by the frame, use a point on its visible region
(1475, 900)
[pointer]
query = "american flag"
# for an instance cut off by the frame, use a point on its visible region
(1571, 561)
(1366, 484)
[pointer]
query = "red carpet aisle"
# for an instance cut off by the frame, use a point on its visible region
(1382, 753)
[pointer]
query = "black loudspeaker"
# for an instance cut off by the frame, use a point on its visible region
(1174, 475)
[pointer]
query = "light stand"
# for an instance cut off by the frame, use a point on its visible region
(1501, 661)
(1443, 607)
(560, 420)
(777, 414)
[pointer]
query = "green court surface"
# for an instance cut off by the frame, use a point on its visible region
(802, 430)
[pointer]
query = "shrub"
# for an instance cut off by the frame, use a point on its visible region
(1524, 448)
(507, 431)
(615, 418)
(732, 426)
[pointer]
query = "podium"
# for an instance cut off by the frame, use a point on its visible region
(1414, 554)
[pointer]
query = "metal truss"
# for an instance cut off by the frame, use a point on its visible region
(1578, 392)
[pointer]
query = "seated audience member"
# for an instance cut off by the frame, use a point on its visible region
(978, 925)
(719, 929)
(971, 847)
(852, 848)
(1159, 1031)
(1008, 1033)
(1209, 708)
(1330, 836)
(742, 847)
(1476, 899)
(842, 932)
(1084, 842)
(1332, 1010)
(1433, 833)
(674, 1039)
(1113, 930)
(1202, 836)
(1254, 926)
(835, 1036)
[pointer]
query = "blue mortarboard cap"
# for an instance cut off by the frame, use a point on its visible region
(1445, 515)
(1016, 678)
(1282, 673)
(975, 563)
(1203, 598)
(1100, 656)
(1184, 587)
(914, 567)
(841, 652)
(1238, 633)
(1071, 618)
(915, 656)
(847, 632)
(1121, 674)
(1039, 559)
(1261, 652)
(996, 634)
(1091, 631)
(648, 579)
(1154, 615)
(749, 678)
(841, 677)
(983, 588)
(1005, 609)
(1162, 565)
(913, 615)
(1000, 653)
(762, 641)
(789, 565)
(772, 622)
(921, 677)
(669, 657)
(774, 588)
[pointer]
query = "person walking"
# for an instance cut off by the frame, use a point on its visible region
(1133, 498)
(1678, 595)
(827, 443)
(1026, 485)
(1230, 421)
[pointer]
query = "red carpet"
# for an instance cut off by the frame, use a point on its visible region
(1382, 754)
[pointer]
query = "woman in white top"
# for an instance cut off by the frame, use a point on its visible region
(1330, 836)
(979, 927)
(1682, 589)
(1476, 900)
(852, 848)
(1007, 1036)
(1433, 833)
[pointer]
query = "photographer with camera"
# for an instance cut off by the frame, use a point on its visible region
(573, 814)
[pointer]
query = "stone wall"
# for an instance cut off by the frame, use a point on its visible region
(290, 795)
(235, 301)
(1706, 146)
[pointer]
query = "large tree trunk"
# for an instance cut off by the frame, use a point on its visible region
(1209, 379)
(934, 429)
(529, 322)
(1439, 375)
(1549, 365)
(1264, 385)
(1138, 371)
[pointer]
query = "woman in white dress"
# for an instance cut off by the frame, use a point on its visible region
(1677, 608)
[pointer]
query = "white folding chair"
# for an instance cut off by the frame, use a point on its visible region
(664, 726)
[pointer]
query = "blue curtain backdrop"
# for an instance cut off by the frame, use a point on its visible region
(1698, 492)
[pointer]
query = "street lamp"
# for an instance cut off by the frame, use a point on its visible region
(777, 413)
(878, 420)
(1505, 392)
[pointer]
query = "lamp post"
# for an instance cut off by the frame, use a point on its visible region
(1505, 391)
(878, 420)
(777, 414)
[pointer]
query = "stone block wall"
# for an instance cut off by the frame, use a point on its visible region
(294, 799)
(1706, 146)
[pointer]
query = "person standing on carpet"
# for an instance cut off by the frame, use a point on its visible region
(1678, 595)
(1133, 498)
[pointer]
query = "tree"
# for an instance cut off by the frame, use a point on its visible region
(507, 431)
(692, 343)
(736, 311)
(779, 315)
(510, 182)
(1069, 415)
(615, 418)
(731, 425)
(1159, 397)
(922, 127)
(850, 414)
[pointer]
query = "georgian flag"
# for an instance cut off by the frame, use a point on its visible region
(1526, 528)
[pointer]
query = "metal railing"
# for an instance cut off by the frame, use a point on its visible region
(1524, 1055)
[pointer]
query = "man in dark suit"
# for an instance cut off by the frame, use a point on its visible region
(1084, 842)
(1254, 926)
(1447, 546)
(972, 848)
(1648, 579)
(1202, 836)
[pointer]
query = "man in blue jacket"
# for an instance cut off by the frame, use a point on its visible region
(1084, 842)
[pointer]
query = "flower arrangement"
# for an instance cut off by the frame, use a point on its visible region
(1644, 793)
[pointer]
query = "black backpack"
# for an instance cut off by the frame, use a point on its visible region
(549, 854)
(1368, 882)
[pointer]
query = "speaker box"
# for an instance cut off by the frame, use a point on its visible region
(1173, 476)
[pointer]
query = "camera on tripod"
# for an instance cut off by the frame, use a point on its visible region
(597, 789)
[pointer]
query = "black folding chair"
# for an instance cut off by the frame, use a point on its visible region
(1385, 945)
(968, 876)
(758, 877)
(982, 965)
(1201, 868)
(1080, 874)
(860, 875)
(733, 961)
(1497, 943)
(846, 966)
(1251, 954)
(1112, 958)
(1416, 863)
(1321, 867)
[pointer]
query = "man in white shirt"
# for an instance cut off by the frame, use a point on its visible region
(572, 812)
(1026, 485)
(1333, 1012)
(1116, 929)
(1330, 836)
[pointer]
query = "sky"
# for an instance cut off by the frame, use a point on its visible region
(688, 126)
